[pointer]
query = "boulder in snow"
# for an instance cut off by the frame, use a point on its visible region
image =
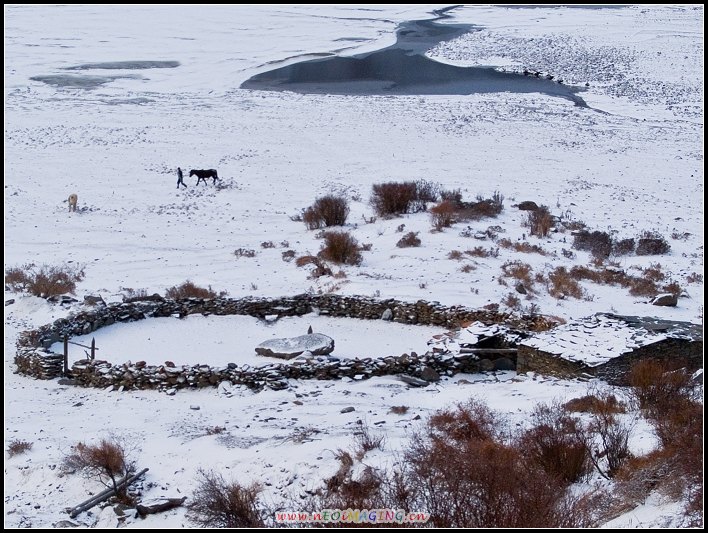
(316, 343)
(667, 299)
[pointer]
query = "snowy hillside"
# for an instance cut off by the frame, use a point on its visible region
(78, 121)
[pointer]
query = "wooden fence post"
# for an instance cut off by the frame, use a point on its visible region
(93, 348)
(66, 355)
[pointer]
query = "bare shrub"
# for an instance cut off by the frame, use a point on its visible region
(427, 191)
(215, 430)
(659, 385)
(288, 255)
(561, 284)
(680, 236)
(455, 255)
(366, 247)
(653, 273)
(267, 244)
(244, 252)
(459, 469)
(399, 409)
(219, 503)
(518, 270)
(366, 440)
(466, 269)
(512, 301)
(134, 295)
(327, 211)
(673, 287)
(652, 244)
(340, 247)
(623, 247)
(598, 243)
(479, 251)
(555, 442)
(443, 215)
(108, 462)
(44, 280)
(540, 221)
(190, 290)
(523, 247)
(594, 403)
(17, 447)
(454, 196)
(393, 198)
(609, 435)
(409, 240)
(694, 277)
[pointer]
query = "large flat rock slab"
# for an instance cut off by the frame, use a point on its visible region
(315, 343)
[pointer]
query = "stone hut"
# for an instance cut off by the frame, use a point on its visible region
(606, 345)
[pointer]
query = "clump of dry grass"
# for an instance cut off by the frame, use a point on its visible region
(44, 280)
(409, 240)
(17, 447)
(190, 290)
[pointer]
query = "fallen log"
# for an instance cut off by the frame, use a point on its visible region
(103, 496)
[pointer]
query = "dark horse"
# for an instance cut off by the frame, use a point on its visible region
(204, 175)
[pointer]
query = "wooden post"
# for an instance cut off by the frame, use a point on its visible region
(93, 348)
(66, 355)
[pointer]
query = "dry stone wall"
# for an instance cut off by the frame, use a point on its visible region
(33, 357)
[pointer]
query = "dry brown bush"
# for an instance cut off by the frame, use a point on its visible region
(518, 270)
(340, 247)
(555, 441)
(466, 269)
(480, 251)
(44, 280)
(219, 503)
(245, 252)
(658, 385)
(108, 462)
(512, 301)
(330, 210)
(409, 240)
(694, 277)
(190, 290)
(540, 221)
(598, 243)
(523, 247)
(288, 255)
(623, 247)
(455, 255)
(393, 198)
(460, 470)
(561, 284)
(365, 440)
(592, 403)
(399, 409)
(652, 244)
(443, 215)
(17, 447)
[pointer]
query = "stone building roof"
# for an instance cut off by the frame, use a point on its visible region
(596, 339)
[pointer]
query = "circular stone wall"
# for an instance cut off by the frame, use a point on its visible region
(34, 357)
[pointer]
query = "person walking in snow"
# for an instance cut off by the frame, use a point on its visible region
(180, 178)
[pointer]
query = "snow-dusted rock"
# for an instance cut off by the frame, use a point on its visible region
(666, 299)
(316, 343)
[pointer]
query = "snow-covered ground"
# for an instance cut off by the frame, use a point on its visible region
(630, 163)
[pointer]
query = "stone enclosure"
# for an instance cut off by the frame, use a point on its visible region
(33, 357)
(527, 344)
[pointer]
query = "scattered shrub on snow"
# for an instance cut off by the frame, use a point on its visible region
(268, 244)
(598, 243)
(623, 247)
(366, 440)
(443, 215)
(393, 198)
(288, 255)
(108, 461)
(556, 443)
(652, 244)
(219, 503)
(518, 270)
(44, 280)
(409, 240)
(561, 284)
(340, 247)
(399, 409)
(17, 447)
(540, 221)
(190, 290)
(659, 385)
(330, 210)
(244, 252)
